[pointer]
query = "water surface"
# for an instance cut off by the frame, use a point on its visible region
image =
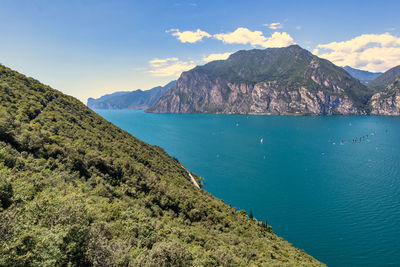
(335, 197)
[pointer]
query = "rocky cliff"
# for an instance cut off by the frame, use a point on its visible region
(272, 81)
(387, 102)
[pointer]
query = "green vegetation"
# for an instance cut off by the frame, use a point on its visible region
(385, 79)
(76, 190)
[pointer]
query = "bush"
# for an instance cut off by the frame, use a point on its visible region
(6, 193)
(165, 254)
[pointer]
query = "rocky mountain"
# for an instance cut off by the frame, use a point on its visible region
(382, 82)
(286, 80)
(75, 190)
(362, 75)
(387, 102)
(137, 99)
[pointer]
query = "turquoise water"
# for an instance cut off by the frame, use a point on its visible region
(337, 199)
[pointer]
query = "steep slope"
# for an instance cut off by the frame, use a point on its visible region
(384, 80)
(387, 102)
(362, 75)
(137, 99)
(272, 81)
(76, 190)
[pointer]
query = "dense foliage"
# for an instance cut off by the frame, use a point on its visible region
(77, 191)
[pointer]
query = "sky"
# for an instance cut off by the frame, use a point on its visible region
(89, 48)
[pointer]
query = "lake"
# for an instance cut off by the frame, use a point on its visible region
(330, 185)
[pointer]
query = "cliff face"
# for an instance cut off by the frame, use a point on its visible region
(273, 81)
(137, 99)
(387, 102)
(218, 96)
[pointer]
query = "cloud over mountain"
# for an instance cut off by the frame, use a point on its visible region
(246, 36)
(372, 52)
(239, 36)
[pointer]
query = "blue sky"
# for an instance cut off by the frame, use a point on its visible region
(89, 48)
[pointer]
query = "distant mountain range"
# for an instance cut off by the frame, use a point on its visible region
(137, 99)
(362, 75)
(287, 80)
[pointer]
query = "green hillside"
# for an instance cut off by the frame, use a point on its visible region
(76, 190)
(385, 79)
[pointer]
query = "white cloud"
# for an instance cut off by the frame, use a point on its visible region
(298, 27)
(212, 57)
(173, 66)
(373, 52)
(170, 67)
(245, 36)
(274, 26)
(189, 36)
(162, 62)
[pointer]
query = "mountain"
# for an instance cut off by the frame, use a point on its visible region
(387, 102)
(385, 79)
(362, 75)
(286, 80)
(75, 190)
(129, 100)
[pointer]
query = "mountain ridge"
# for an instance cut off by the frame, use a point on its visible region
(137, 99)
(385, 79)
(387, 99)
(286, 80)
(362, 75)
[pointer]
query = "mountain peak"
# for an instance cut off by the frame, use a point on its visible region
(289, 74)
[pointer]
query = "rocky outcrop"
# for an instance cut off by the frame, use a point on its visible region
(273, 81)
(387, 102)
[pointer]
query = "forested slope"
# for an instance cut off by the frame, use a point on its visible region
(76, 190)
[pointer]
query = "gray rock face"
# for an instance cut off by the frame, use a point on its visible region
(318, 87)
(241, 98)
(387, 102)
